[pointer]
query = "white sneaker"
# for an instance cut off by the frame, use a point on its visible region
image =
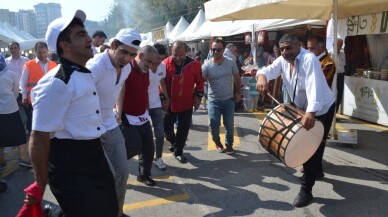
(160, 164)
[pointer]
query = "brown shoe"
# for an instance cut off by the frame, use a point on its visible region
(229, 150)
(220, 147)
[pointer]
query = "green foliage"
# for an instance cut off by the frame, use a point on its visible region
(146, 15)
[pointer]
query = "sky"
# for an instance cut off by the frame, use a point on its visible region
(96, 10)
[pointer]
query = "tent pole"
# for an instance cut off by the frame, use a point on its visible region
(333, 130)
(253, 45)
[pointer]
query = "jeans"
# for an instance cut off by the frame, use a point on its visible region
(157, 117)
(216, 108)
(179, 139)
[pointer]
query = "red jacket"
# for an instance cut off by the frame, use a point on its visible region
(181, 86)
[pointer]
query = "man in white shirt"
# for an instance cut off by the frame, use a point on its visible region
(110, 69)
(340, 63)
(16, 61)
(98, 39)
(308, 90)
(65, 145)
(158, 103)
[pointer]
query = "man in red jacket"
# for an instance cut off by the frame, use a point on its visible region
(185, 88)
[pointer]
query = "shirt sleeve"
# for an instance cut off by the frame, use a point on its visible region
(204, 70)
(95, 72)
(15, 87)
(50, 100)
(272, 71)
(314, 85)
(23, 82)
(235, 68)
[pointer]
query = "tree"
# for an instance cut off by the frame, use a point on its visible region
(147, 15)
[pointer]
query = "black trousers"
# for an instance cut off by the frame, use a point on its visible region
(80, 178)
(139, 140)
(340, 88)
(314, 164)
(28, 110)
(178, 139)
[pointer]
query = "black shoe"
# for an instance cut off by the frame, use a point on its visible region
(146, 180)
(172, 148)
(46, 209)
(182, 159)
(303, 198)
(51, 209)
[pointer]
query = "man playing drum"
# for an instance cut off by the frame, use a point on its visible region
(309, 91)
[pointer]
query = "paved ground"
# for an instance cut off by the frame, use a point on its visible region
(249, 183)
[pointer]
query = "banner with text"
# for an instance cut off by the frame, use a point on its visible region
(366, 99)
(368, 24)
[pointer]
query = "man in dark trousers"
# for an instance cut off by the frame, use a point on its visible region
(185, 89)
(133, 105)
(65, 144)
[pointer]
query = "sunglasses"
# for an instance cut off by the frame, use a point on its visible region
(216, 50)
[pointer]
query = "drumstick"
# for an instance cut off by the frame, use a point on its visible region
(273, 98)
(297, 123)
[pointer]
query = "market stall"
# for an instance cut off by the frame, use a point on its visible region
(367, 59)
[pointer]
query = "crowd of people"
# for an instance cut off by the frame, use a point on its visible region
(84, 113)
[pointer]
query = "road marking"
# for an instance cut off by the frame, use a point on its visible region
(376, 126)
(156, 202)
(212, 146)
(135, 182)
(12, 159)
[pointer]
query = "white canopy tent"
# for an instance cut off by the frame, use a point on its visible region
(146, 39)
(179, 28)
(193, 27)
(169, 27)
(30, 44)
(227, 28)
(296, 9)
(9, 33)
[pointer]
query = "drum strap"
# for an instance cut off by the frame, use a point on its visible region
(296, 81)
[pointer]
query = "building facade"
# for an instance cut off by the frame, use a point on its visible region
(45, 13)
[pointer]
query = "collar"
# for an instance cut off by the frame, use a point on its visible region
(299, 56)
(135, 66)
(321, 55)
(38, 61)
(107, 62)
(73, 65)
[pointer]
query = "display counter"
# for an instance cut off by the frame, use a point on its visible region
(366, 99)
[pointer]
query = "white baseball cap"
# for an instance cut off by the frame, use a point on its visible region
(58, 25)
(130, 37)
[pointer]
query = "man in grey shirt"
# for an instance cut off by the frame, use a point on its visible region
(221, 73)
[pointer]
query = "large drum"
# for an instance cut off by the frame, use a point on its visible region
(281, 134)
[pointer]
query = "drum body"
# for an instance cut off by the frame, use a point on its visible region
(282, 135)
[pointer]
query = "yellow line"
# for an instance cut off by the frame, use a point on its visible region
(156, 202)
(134, 182)
(376, 126)
(212, 146)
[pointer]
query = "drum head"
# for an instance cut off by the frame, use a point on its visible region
(303, 145)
